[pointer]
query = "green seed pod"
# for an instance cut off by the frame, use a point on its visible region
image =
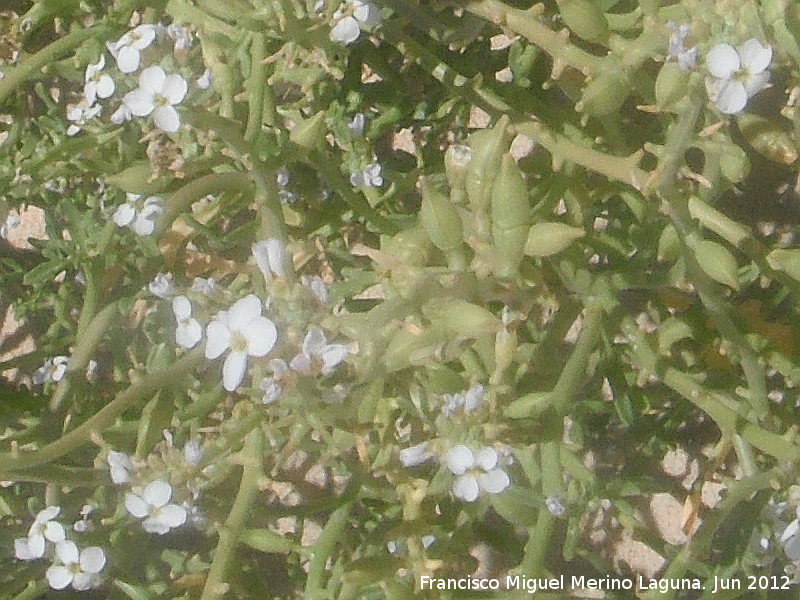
(488, 146)
(136, 180)
(461, 317)
(669, 245)
(671, 85)
(410, 246)
(510, 217)
(528, 406)
(546, 239)
(718, 263)
(266, 540)
(767, 138)
(728, 229)
(605, 94)
(310, 134)
(787, 261)
(456, 160)
(734, 163)
(584, 18)
(442, 223)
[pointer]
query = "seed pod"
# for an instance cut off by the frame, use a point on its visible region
(671, 85)
(728, 229)
(669, 245)
(487, 146)
(528, 406)
(461, 317)
(767, 138)
(584, 18)
(136, 180)
(410, 246)
(787, 261)
(510, 217)
(310, 133)
(546, 239)
(734, 163)
(442, 223)
(605, 94)
(718, 263)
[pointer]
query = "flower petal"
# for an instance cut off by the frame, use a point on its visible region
(93, 559)
(36, 546)
(233, 370)
(486, 458)
(755, 83)
(723, 61)
(22, 549)
(167, 119)
(414, 455)
(182, 307)
(315, 342)
(218, 339)
(152, 525)
(188, 334)
(67, 552)
(139, 102)
(175, 88)
(494, 482)
(346, 31)
(261, 335)
(54, 532)
(136, 506)
(157, 493)
(124, 215)
(332, 356)
(173, 515)
(47, 514)
(105, 87)
(127, 59)
(152, 79)
(755, 56)
(58, 577)
(85, 581)
(243, 311)
(732, 98)
(466, 488)
(459, 459)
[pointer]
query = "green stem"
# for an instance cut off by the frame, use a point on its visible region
(64, 476)
(256, 82)
(216, 587)
(31, 65)
(34, 590)
(85, 346)
(82, 435)
(323, 549)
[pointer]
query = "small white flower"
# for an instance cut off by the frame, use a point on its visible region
(317, 287)
(158, 93)
(737, 74)
(270, 257)
(317, 354)
(53, 369)
(271, 385)
(12, 222)
(476, 471)
(82, 526)
(677, 47)
(98, 84)
(369, 177)
(79, 114)
(189, 330)
(127, 49)
(415, 455)
(204, 286)
(153, 506)
(357, 124)
(120, 466)
(140, 215)
(354, 16)
(555, 507)
(468, 402)
(193, 452)
(91, 370)
(81, 569)
(161, 287)
(44, 529)
(181, 36)
(204, 81)
(245, 332)
(59, 368)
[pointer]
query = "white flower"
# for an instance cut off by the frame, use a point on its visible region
(356, 125)
(245, 332)
(153, 506)
(81, 569)
(415, 455)
(271, 385)
(555, 507)
(318, 354)
(53, 369)
(677, 48)
(737, 74)
(189, 331)
(79, 114)
(126, 50)
(158, 93)
(140, 215)
(369, 177)
(270, 257)
(476, 471)
(98, 84)
(317, 287)
(43, 530)
(121, 467)
(468, 402)
(161, 287)
(204, 81)
(204, 286)
(351, 18)
(193, 452)
(12, 222)
(181, 36)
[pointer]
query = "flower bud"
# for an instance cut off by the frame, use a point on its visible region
(510, 217)
(787, 261)
(605, 93)
(767, 138)
(456, 160)
(546, 239)
(442, 223)
(669, 245)
(488, 146)
(584, 18)
(310, 134)
(718, 263)
(671, 85)
(136, 179)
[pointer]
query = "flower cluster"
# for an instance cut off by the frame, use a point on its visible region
(737, 74)
(476, 471)
(139, 214)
